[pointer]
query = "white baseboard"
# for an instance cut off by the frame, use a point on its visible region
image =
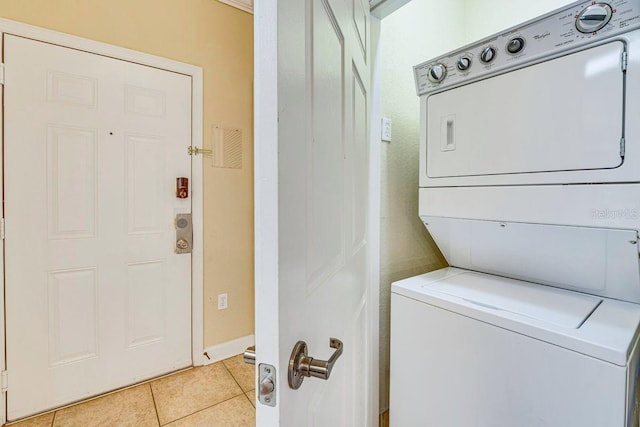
(227, 349)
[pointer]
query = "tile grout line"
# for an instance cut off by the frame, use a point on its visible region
(201, 410)
(215, 404)
(102, 395)
(232, 376)
(250, 401)
(155, 407)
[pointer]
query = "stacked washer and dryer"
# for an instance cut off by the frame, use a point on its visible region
(530, 186)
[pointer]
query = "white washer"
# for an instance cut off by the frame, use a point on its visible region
(471, 349)
(530, 186)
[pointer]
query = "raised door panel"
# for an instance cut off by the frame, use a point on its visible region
(73, 315)
(359, 160)
(144, 101)
(146, 305)
(71, 182)
(326, 175)
(70, 89)
(361, 23)
(146, 193)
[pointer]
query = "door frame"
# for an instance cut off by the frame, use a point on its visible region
(120, 53)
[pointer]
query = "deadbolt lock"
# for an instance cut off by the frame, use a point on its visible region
(184, 234)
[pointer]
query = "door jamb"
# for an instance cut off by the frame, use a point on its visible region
(196, 75)
(265, 182)
(375, 131)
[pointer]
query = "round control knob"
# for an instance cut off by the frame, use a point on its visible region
(488, 54)
(464, 63)
(594, 18)
(515, 45)
(437, 73)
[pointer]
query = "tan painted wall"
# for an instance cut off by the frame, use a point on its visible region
(218, 38)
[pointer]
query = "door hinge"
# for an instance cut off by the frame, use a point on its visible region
(1, 73)
(1, 228)
(4, 381)
(622, 151)
(625, 61)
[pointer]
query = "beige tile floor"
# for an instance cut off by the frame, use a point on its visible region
(218, 395)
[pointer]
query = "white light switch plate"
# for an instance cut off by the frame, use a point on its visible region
(386, 129)
(223, 303)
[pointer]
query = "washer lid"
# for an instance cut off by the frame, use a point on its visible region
(599, 327)
(544, 303)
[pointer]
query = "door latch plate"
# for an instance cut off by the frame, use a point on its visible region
(267, 384)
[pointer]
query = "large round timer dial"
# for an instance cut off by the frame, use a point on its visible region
(594, 18)
(437, 73)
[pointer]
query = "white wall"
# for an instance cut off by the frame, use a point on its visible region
(483, 18)
(417, 32)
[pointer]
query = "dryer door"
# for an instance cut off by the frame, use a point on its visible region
(566, 114)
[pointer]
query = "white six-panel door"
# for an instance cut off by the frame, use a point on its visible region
(312, 204)
(96, 298)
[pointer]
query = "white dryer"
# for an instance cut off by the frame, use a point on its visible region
(530, 186)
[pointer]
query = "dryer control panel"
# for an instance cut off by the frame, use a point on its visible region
(569, 28)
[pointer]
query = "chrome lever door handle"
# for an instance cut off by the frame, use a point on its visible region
(321, 368)
(301, 365)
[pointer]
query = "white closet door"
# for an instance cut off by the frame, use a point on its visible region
(312, 208)
(97, 298)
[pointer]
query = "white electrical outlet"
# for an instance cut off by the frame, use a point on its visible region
(222, 302)
(386, 129)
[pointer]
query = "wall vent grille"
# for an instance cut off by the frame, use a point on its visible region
(227, 151)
